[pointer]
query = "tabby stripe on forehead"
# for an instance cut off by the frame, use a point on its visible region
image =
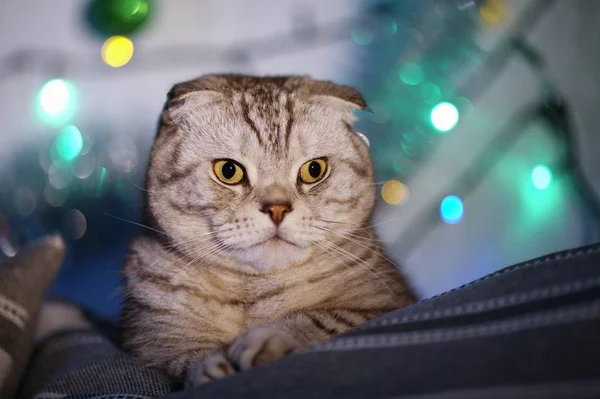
(290, 121)
(246, 113)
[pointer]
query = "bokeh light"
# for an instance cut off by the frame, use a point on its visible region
(55, 197)
(541, 177)
(118, 17)
(431, 93)
(493, 12)
(24, 201)
(75, 224)
(411, 74)
(56, 100)
(362, 37)
(394, 192)
(69, 143)
(59, 176)
(444, 116)
(452, 209)
(83, 166)
(97, 183)
(117, 51)
(131, 9)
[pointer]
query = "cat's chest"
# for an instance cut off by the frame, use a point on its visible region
(274, 296)
(251, 300)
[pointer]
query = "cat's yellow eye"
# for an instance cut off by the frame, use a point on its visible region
(228, 171)
(313, 171)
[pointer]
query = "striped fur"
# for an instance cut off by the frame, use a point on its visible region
(209, 288)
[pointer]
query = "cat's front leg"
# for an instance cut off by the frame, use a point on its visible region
(213, 366)
(265, 343)
(261, 345)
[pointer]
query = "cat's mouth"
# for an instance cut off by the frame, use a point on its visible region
(275, 240)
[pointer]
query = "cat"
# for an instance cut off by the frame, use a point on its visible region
(259, 196)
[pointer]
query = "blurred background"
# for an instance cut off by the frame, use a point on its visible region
(484, 126)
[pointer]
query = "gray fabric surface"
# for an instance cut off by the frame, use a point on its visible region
(529, 331)
(85, 364)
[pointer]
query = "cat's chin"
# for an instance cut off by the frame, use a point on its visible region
(275, 253)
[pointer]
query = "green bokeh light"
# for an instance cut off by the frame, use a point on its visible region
(131, 9)
(97, 184)
(431, 93)
(444, 116)
(69, 143)
(362, 37)
(56, 101)
(411, 74)
(392, 28)
(541, 177)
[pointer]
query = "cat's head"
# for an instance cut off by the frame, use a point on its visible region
(266, 170)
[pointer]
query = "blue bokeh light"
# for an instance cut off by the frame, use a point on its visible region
(452, 209)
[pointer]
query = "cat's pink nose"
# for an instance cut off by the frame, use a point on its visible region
(276, 211)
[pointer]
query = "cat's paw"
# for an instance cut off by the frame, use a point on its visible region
(211, 367)
(261, 345)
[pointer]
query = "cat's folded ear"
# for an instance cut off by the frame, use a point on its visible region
(331, 92)
(189, 95)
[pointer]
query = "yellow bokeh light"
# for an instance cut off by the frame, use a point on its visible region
(117, 51)
(393, 192)
(493, 12)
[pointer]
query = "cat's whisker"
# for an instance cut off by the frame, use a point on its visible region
(336, 222)
(210, 250)
(137, 286)
(378, 183)
(205, 252)
(134, 223)
(357, 242)
(136, 185)
(170, 249)
(370, 226)
(380, 223)
(361, 238)
(334, 255)
(358, 261)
